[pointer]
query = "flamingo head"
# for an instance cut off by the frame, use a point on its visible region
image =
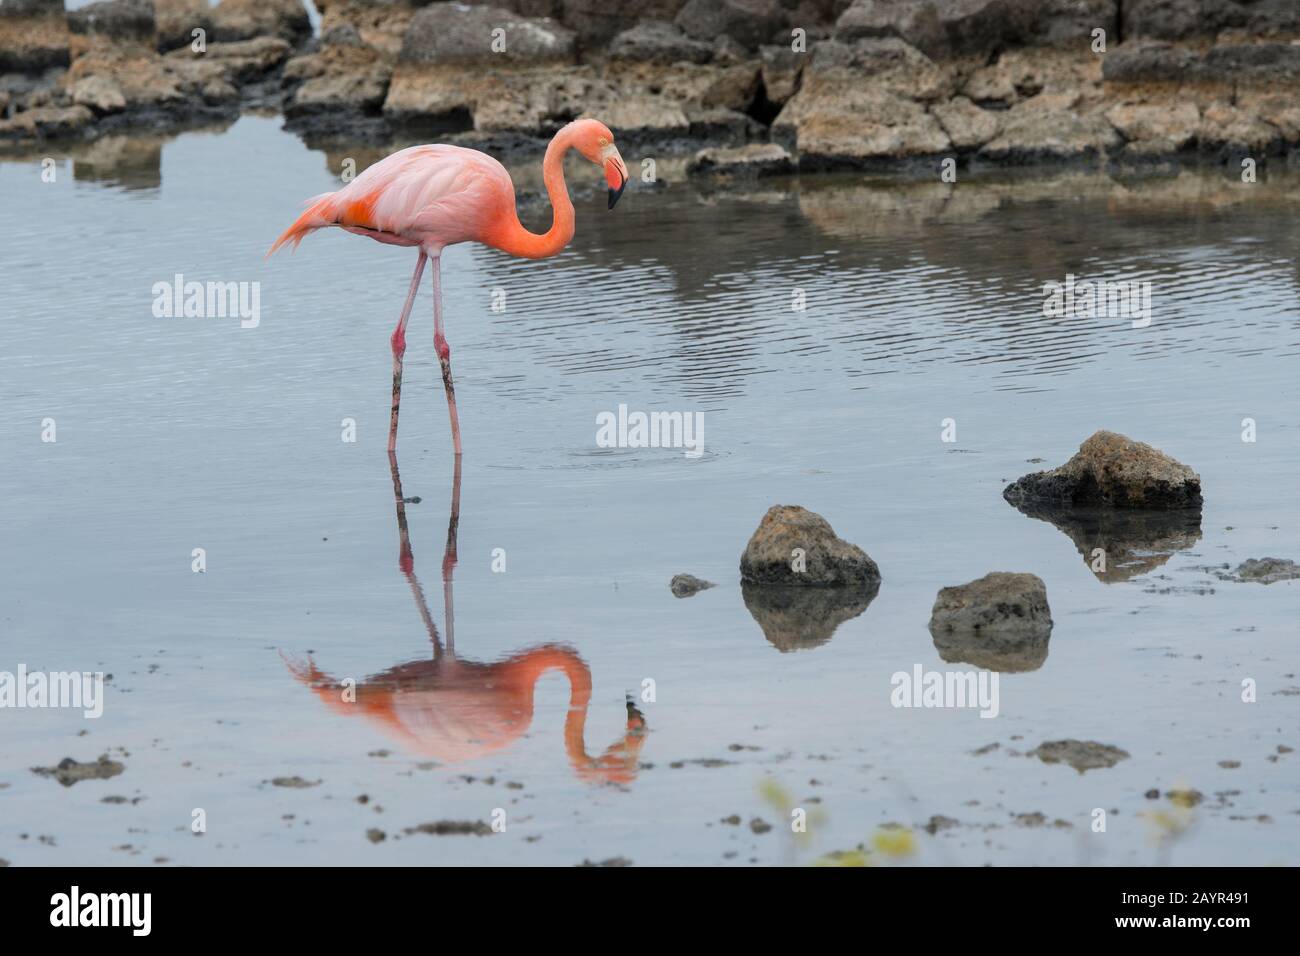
(594, 141)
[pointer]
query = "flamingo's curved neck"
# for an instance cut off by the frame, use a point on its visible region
(517, 240)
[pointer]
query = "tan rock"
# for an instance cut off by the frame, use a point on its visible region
(33, 35)
(100, 93)
(1113, 470)
(1173, 123)
(793, 546)
(967, 126)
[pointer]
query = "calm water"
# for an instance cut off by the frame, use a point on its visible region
(923, 304)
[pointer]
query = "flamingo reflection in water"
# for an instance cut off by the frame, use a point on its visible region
(456, 710)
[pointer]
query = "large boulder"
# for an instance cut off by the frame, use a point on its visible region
(793, 546)
(663, 43)
(1115, 471)
(749, 22)
(449, 33)
(977, 28)
(33, 35)
(1052, 127)
(999, 622)
(862, 103)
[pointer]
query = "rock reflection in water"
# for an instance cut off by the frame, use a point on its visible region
(799, 618)
(1121, 544)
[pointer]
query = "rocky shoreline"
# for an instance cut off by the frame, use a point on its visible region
(760, 86)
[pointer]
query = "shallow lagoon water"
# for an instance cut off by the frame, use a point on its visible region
(923, 304)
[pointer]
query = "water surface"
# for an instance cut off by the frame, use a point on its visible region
(923, 303)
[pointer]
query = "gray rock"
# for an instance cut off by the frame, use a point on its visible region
(685, 585)
(1185, 19)
(1150, 62)
(999, 622)
(1082, 755)
(1051, 128)
(451, 33)
(662, 43)
(793, 546)
(1115, 471)
(944, 28)
(1267, 570)
(596, 21)
(749, 22)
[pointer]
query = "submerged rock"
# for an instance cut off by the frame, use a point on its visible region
(1082, 755)
(69, 771)
(1266, 570)
(794, 546)
(684, 585)
(999, 622)
(1116, 471)
(800, 618)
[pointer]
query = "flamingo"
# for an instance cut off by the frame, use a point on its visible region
(435, 196)
(454, 709)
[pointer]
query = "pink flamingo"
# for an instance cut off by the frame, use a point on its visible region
(432, 197)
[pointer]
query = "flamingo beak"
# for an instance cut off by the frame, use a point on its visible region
(615, 174)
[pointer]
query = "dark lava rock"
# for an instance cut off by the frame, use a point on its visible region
(1114, 471)
(1000, 622)
(770, 557)
(684, 585)
(70, 771)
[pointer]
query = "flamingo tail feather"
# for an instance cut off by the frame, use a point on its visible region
(317, 215)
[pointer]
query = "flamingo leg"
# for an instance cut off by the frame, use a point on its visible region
(399, 348)
(444, 353)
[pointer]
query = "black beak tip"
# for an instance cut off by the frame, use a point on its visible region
(614, 194)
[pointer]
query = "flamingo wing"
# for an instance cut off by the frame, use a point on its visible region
(432, 196)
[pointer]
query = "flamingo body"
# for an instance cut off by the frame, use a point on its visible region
(435, 196)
